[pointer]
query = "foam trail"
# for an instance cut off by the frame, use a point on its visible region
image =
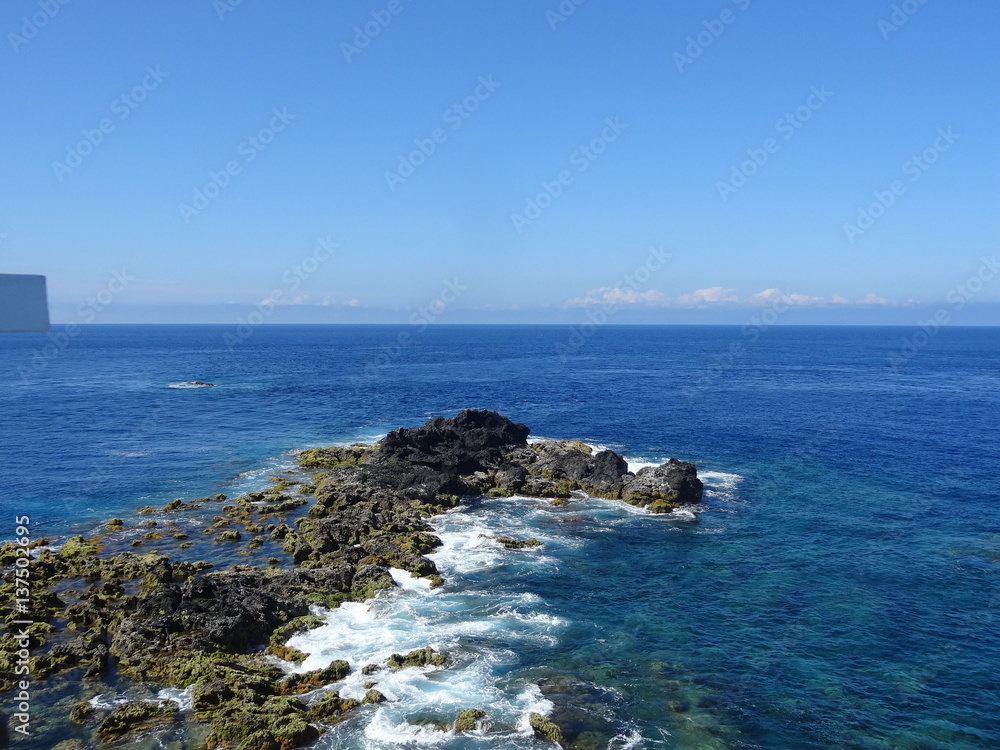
(479, 628)
(720, 484)
(482, 619)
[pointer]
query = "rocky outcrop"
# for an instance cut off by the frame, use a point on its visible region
(134, 717)
(429, 468)
(666, 486)
(176, 622)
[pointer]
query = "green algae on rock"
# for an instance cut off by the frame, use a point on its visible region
(134, 717)
(545, 729)
(467, 720)
(420, 658)
(511, 543)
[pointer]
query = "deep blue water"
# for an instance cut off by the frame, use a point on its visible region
(837, 590)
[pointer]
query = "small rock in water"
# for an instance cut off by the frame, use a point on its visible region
(545, 728)
(511, 543)
(467, 719)
(420, 658)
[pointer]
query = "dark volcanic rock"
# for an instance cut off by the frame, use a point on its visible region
(427, 469)
(674, 483)
(472, 441)
(608, 468)
(230, 612)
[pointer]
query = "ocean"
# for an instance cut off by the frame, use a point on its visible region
(837, 588)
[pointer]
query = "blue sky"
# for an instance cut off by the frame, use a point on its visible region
(498, 161)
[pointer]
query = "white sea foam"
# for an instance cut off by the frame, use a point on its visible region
(415, 616)
(721, 485)
(720, 479)
(627, 740)
(531, 701)
(189, 384)
(106, 703)
(382, 729)
(635, 465)
(183, 698)
(409, 582)
(683, 514)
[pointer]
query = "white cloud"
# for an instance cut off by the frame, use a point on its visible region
(302, 299)
(716, 295)
(792, 299)
(305, 299)
(873, 299)
(766, 297)
(803, 300)
(713, 295)
(613, 296)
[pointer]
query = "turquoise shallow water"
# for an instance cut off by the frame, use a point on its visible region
(837, 589)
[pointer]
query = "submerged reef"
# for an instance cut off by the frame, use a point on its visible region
(106, 616)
